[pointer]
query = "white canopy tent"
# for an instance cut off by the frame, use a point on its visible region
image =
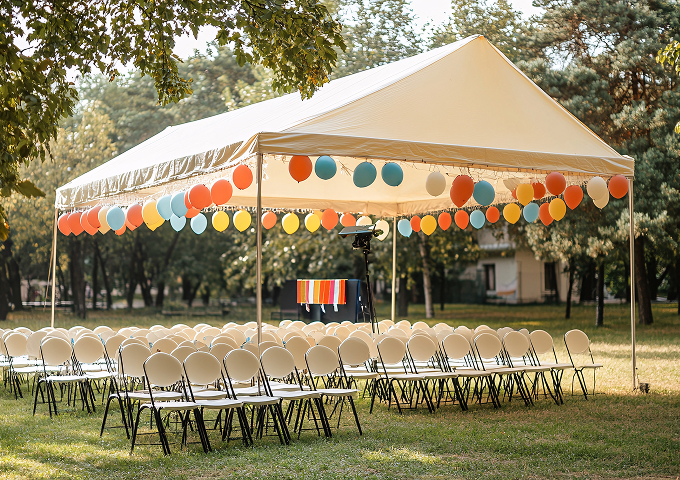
(461, 108)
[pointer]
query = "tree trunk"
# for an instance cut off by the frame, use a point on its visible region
(677, 281)
(641, 283)
(95, 274)
(556, 273)
(587, 281)
(107, 285)
(442, 290)
(160, 296)
(4, 286)
(572, 269)
(132, 274)
(599, 315)
(206, 296)
(78, 278)
(427, 278)
(402, 298)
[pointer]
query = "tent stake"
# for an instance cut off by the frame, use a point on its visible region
(394, 266)
(631, 212)
(54, 263)
(258, 223)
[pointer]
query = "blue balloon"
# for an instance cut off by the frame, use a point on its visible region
(325, 167)
(115, 217)
(392, 174)
(530, 212)
(484, 193)
(164, 208)
(477, 219)
(177, 223)
(364, 174)
(199, 223)
(404, 227)
(177, 204)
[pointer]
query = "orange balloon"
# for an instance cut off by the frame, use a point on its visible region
(130, 226)
(221, 191)
(300, 167)
(199, 196)
(544, 214)
(348, 220)
(187, 203)
(573, 196)
(268, 220)
(329, 219)
(492, 214)
(462, 219)
(242, 177)
(514, 193)
(74, 223)
(539, 190)
(121, 231)
(86, 225)
(134, 215)
(461, 190)
(93, 217)
(444, 220)
(555, 182)
(415, 223)
(618, 186)
(192, 212)
(62, 224)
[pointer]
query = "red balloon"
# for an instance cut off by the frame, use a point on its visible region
(492, 214)
(121, 230)
(134, 215)
(242, 177)
(86, 225)
(187, 203)
(221, 192)
(514, 193)
(573, 196)
(539, 190)
(348, 220)
(199, 196)
(300, 167)
(74, 223)
(461, 190)
(192, 212)
(544, 213)
(462, 219)
(556, 183)
(268, 220)
(329, 219)
(62, 225)
(444, 220)
(618, 186)
(415, 223)
(93, 217)
(130, 226)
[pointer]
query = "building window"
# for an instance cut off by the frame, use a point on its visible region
(549, 270)
(490, 277)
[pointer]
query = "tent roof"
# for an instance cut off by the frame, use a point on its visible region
(460, 108)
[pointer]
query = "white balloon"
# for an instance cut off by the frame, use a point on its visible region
(601, 202)
(597, 188)
(435, 184)
(385, 227)
(364, 221)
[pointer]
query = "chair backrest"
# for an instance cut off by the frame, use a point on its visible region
(82, 332)
(102, 328)
(182, 352)
(354, 351)
(420, 326)
(456, 346)
(267, 337)
(187, 343)
(404, 325)
(113, 344)
(298, 347)
(488, 345)
(162, 369)
(482, 327)
(202, 368)
(316, 335)
(141, 333)
(88, 349)
(55, 351)
(292, 333)
(237, 335)
(398, 332)
(516, 344)
(577, 342)
(342, 332)
(220, 350)
(525, 332)
(138, 341)
(277, 362)
(105, 335)
(133, 356)
(33, 344)
(15, 343)
(421, 348)
(164, 345)
(464, 331)
(391, 350)
(252, 348)
(58, 334)
(241, 365)
(330, 341)
(321, 360)
(386, 323)
(541, 342)
(443, 327)
(265, 345)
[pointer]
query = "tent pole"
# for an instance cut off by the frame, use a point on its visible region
(258, 222)
(631, 212)
(54, 264)
(394, 266)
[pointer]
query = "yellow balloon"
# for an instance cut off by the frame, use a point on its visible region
(318, 213)
(312, 222)
(154, 226)
(220, 221)
(511, 212)
(241, 220)
(102, 220)
(557, 208)
(525, 193)
(150, 213)
(290, 223)
(428, 224)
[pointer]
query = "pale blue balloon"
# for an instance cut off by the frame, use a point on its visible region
(392, 174)
(199, 223)
(325, 167)
(364, 174)
(404, 227)
(477, 219)
(164, 208)
(177, 223)
(115, 217)
(484, 193)
(530, 212)
(177, 204)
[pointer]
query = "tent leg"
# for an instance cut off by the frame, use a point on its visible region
(54, 264)
(258, 223)
(631, 212)
(394, 266)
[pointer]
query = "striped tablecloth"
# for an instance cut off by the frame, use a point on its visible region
(323, 292)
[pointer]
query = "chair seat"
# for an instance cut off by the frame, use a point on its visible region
(558, 366)
(172, 406)
(66, 378)
(260, 400)
(210, 395)
(589, 365)
(472, 373)
(98, 375)
(299, 395)
(439, 375)
(220, 404)
(30, 369)
(363, 375)
(156, 395)
(407, 376)
(338, 392)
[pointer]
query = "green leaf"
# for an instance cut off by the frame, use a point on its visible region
(28, 189)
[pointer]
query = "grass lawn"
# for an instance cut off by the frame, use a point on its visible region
(616, 435)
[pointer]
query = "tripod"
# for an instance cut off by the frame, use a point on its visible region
(363, 243)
